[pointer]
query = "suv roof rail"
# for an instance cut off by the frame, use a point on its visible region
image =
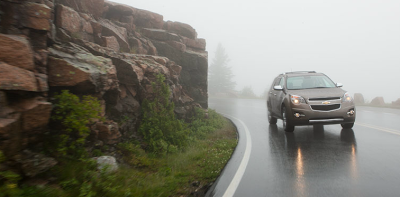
(295, 72)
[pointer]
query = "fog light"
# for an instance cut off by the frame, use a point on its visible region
(298, 115)
(351, 112)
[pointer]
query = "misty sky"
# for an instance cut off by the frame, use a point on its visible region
(354, 42)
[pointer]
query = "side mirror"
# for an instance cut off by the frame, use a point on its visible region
(339, 85)
(278, 87)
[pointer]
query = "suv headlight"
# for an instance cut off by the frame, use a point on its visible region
(297, 99)
(347, 97)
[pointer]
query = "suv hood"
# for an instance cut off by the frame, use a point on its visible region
(318, 92)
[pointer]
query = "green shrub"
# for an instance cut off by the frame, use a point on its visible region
(201, 126)
(160, 129)
(8, 181)
(75, 115)
(135, 156)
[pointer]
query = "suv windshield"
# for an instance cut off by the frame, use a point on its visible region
(308, 82)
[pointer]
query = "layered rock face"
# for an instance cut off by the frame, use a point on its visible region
(96, 47)
(378, 101)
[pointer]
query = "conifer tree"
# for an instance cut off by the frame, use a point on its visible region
(220, 77)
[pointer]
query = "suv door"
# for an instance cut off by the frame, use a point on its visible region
(279, 96)
(270, 96)
(273, 97)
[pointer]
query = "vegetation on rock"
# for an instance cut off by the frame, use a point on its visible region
(160, 129)
(184, 172)
(75, 115)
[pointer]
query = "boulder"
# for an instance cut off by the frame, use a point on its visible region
(36, 16)
(107, 132)
(107, 163)
(194, 70)
(110, 42)
(199, 44)
(142, 18)
(149, 65)
(16, 51)
(33, 163)
(142, 45)
(127, 105)
(91, 7)
(14, 78)
(181, 29)
(147, 19)
(73, 67)
(177, 45)
(128, 72)
(87, 26)
(110, 29)
(117, 12)
(68, 19)
(73, 25)
(160, 35)
(359, 98)
(10, 139)
(35, 113)
(174, 68)
(378, 101)
(8, 127)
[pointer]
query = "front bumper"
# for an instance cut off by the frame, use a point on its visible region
(304, 115)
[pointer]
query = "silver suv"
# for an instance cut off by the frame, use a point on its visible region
(309, 98)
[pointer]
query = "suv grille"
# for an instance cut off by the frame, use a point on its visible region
(325, 107)
(324, 99)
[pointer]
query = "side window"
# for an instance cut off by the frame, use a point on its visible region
(277, 81)
(282, 82)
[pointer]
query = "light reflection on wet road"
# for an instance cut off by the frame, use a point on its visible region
(313, 161)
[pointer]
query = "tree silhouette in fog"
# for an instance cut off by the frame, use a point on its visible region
(247, 92)
(220, 77)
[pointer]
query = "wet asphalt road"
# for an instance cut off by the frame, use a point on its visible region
(312, 161)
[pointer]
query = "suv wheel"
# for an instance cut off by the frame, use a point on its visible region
(271, 119)
(286, 125)
(347, 125)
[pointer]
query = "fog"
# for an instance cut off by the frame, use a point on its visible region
(354, 42)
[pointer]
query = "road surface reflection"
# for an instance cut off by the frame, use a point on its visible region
(312, 155)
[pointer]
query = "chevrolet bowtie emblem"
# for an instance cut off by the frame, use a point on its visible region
(326, 102)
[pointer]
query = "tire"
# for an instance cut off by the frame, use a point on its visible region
(286, 125)
(271, 119)
(347, 125)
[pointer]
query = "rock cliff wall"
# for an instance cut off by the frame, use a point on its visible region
(96, 47)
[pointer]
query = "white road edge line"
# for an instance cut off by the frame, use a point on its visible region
(392, 131)
(230, 191)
